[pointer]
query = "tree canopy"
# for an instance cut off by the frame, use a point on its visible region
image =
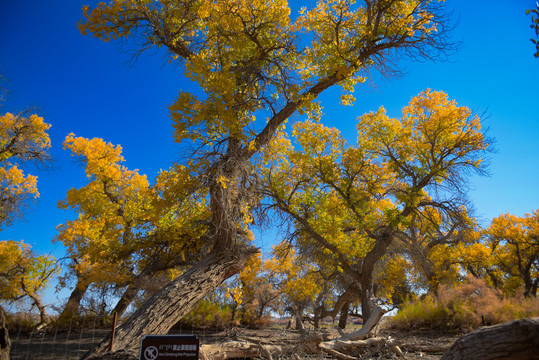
(23, 138)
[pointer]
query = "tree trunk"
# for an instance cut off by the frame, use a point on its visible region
(176, 299)
(299, 319)
(126, 299)
(43, 318)
(317, 317)
(343, 318)
(72, 306)
(366, 302)
(512, 340)
(5, 342)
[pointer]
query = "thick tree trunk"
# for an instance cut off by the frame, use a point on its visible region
(72, 306)
(175, 300)
(5, 342)
(513, 340)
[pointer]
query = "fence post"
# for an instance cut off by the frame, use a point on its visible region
(113, 331)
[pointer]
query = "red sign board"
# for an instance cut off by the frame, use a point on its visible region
(168, 347)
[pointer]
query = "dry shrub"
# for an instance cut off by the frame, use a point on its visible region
(466, 306)
(251, 319)
(22, 321)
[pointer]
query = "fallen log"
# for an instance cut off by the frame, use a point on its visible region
(369, 325)
(252, 347)
(512, 340)
(237, 349)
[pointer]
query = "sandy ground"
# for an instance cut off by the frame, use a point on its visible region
(73, 344)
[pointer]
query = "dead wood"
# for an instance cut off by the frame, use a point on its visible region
(512, 340)
(369, 325)
(397, 350)
(308, 343)
(435, 349)
(231, 350)
(250, 347)
(347, 344)
(338, 354)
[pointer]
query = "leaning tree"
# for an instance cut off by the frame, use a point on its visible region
(255, 66)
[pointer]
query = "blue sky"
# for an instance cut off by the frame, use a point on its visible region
(88, 87)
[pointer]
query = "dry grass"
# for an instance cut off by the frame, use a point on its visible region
(462, 308)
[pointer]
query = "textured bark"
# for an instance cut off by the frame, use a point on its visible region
(175, 300)
(513, 340)
(5, 342)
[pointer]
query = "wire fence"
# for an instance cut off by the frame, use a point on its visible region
(73, 341)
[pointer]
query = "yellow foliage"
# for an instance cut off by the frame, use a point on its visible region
(22, 272)
(122, 220)
(514, 248)
(22, 138)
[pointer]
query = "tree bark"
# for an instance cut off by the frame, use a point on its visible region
(343, 318)
(5, 342)
(43, 318)
(126, 299)
(72, 306)
(176, 299)
(512, 340)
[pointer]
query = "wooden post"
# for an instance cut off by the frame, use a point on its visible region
(113, 331)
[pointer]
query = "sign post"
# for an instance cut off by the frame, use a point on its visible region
(168, 347)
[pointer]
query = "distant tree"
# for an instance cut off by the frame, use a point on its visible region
(23, 274)
(535, 26)
(23, 138)
(514, 246)
(437, 242)
(257, 289)
(297, 280)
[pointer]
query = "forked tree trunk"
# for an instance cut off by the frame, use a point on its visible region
(5, 342)
(176, 299)
(513, 340)
(43, 318)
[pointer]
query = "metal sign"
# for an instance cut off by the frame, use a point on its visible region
(167, 347)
